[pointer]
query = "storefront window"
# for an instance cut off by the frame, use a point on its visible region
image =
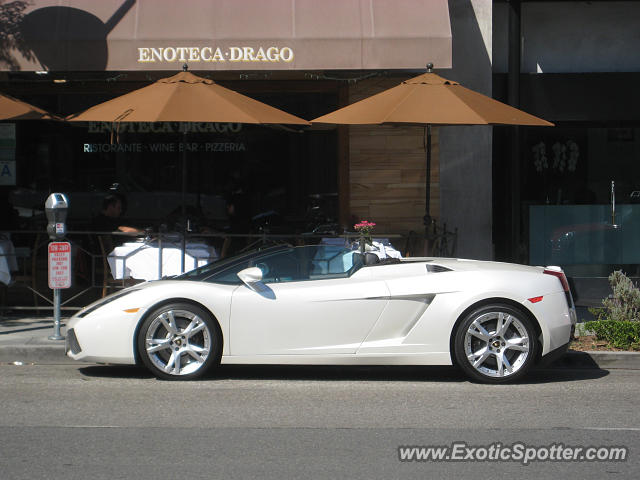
(582, 197)
(277, 169)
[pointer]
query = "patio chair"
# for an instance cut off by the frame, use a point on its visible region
(414, 245)
(107, 279)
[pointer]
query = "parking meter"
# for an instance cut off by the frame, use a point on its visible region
(59, 258)
(56, 208)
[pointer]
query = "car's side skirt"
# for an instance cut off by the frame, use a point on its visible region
(432, 358)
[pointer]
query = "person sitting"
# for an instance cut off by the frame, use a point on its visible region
(109, 221)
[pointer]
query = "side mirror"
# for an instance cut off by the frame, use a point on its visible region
(250, 277)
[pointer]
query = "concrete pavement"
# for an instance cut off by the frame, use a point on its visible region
(26, 340)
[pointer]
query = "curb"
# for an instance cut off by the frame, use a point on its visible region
(34, 354)
(599, 360)
(51, 352)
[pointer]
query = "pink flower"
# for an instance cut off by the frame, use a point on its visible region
(364, 225)
(364, 228)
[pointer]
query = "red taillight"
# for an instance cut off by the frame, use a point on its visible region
(535, 299)
(560, 274)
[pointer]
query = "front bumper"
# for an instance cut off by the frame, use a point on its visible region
(102, 337)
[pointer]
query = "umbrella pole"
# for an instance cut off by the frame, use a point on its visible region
(184, 206)
(427, 200)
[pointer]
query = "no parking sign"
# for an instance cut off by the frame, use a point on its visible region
(59, 265)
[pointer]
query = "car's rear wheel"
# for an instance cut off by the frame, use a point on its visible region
(179, 341)
(495, 344)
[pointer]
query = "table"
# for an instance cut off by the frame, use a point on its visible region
(8, 261)
(383, 249)
(381, 246)
(140, 260)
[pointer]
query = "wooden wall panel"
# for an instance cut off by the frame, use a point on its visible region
(387, 169)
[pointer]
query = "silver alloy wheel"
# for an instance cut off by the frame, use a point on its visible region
(497, 344)
(178, 342)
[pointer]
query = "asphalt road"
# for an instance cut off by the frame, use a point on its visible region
(78, 422)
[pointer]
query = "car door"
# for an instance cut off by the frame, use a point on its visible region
(305, 314)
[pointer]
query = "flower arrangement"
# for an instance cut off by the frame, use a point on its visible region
(555, 164)
(364, 228)
(565, 156)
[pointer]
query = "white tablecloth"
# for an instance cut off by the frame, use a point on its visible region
(383, 249)
(8, 261)
(381, 246)
(140, 260)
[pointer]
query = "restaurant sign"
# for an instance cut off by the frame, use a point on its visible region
(163, 147)
(164, 127)
(226, 35)
(221, 128)
(243, 54)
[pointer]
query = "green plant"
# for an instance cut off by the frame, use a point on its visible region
(619, 333)
(624, 304)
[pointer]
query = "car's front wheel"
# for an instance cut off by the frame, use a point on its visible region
(179, 341)
(495, 344)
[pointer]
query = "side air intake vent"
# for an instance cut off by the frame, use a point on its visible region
(437, 269)
(72, 342)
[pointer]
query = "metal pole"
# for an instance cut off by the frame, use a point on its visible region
(56, 316)
(427, 190)
(427, 199)
(185, 67)
(159, 255)
(513, 195)
(184, 190)
(613, 202)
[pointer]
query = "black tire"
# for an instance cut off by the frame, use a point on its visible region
(495, 344)
(170, 348)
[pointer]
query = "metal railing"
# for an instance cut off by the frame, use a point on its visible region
(91, 274)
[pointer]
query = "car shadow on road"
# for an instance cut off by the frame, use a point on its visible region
(555, 375)
(115, 371)
(385, 373)
(338, 373)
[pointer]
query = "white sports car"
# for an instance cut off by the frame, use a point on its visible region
(332, 306)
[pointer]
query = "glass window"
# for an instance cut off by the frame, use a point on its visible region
(225, 270)
(283, 264)
(583, 197)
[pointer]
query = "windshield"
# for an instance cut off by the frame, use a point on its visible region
(218, 266)
(283, 264)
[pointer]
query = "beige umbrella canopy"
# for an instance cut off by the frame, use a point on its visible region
(14, 109)
(185, 97)
(429, 99)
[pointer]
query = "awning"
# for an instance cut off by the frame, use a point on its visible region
(85, 35)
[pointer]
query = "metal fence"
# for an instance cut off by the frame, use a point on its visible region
(92, 274)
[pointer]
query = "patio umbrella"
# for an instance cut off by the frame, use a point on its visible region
(14, 109)
(185, 97)
(429, 99)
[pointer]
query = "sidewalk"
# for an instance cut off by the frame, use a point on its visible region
(26, 340)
